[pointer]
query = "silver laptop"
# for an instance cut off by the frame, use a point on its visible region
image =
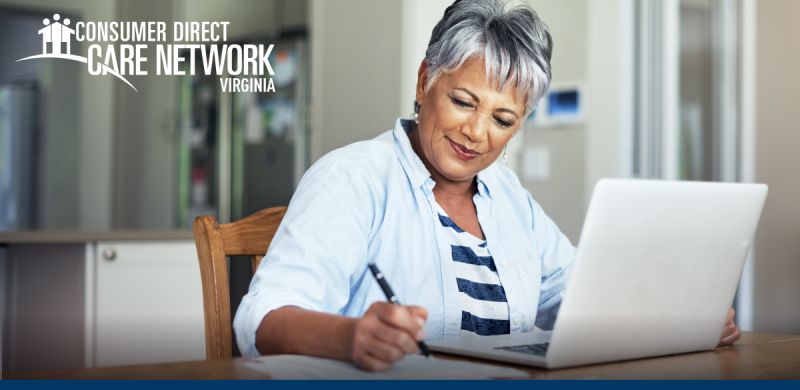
(656, 270)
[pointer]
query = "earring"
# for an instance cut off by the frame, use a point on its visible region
(416, 112)
(505, 155)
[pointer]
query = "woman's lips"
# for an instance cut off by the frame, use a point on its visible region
(463, 152)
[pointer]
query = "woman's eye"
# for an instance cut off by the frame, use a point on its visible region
(503, 123)
(460, 103)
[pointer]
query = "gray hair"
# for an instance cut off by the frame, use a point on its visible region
(515, 44)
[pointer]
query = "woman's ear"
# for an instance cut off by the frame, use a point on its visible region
(422, 80)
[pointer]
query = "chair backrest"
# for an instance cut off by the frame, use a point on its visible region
(249, 237)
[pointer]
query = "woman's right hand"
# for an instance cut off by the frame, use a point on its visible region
(385, 334)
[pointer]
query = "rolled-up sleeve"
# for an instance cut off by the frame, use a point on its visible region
(557, 255)
(321, 242)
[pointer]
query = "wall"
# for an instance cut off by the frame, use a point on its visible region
(145, 142)
(609, 91)
(777, 252)
(562, 195)
(419, 18)
(355, 63)
(248, 18)
(59, 172)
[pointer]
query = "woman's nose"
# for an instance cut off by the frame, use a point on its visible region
(476, 128)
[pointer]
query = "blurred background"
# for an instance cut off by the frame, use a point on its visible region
(99, 184)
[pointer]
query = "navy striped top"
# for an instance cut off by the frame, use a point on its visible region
(484, 307)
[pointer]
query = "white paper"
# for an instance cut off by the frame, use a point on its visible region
(411, 367)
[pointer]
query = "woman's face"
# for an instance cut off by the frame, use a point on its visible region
(464, 121)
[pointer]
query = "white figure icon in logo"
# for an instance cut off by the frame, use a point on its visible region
(55, 34)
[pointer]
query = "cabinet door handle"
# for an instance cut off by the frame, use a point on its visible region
(110, 254)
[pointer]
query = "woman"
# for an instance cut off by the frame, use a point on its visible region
(454, 232)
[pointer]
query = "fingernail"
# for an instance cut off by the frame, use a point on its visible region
(420, 321)
(421, 334)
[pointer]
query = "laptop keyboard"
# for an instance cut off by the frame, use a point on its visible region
(530, 349)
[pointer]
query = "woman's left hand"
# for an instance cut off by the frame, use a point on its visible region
(730, 332)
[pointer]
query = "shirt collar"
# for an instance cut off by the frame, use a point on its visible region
(418, 175)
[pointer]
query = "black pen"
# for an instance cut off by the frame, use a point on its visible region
(393, 299)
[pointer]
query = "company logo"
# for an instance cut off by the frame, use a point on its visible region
(119, 49)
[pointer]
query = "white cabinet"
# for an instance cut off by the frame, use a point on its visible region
(77, 300)
(143, 303)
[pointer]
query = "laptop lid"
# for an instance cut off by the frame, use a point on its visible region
(656, 269)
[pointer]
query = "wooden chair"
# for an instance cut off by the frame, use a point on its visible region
(250, 237)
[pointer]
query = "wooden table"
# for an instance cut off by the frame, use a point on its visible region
(754, 356)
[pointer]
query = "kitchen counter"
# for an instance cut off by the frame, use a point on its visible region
(73, 236)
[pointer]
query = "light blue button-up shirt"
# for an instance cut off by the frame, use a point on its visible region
(372, 201)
